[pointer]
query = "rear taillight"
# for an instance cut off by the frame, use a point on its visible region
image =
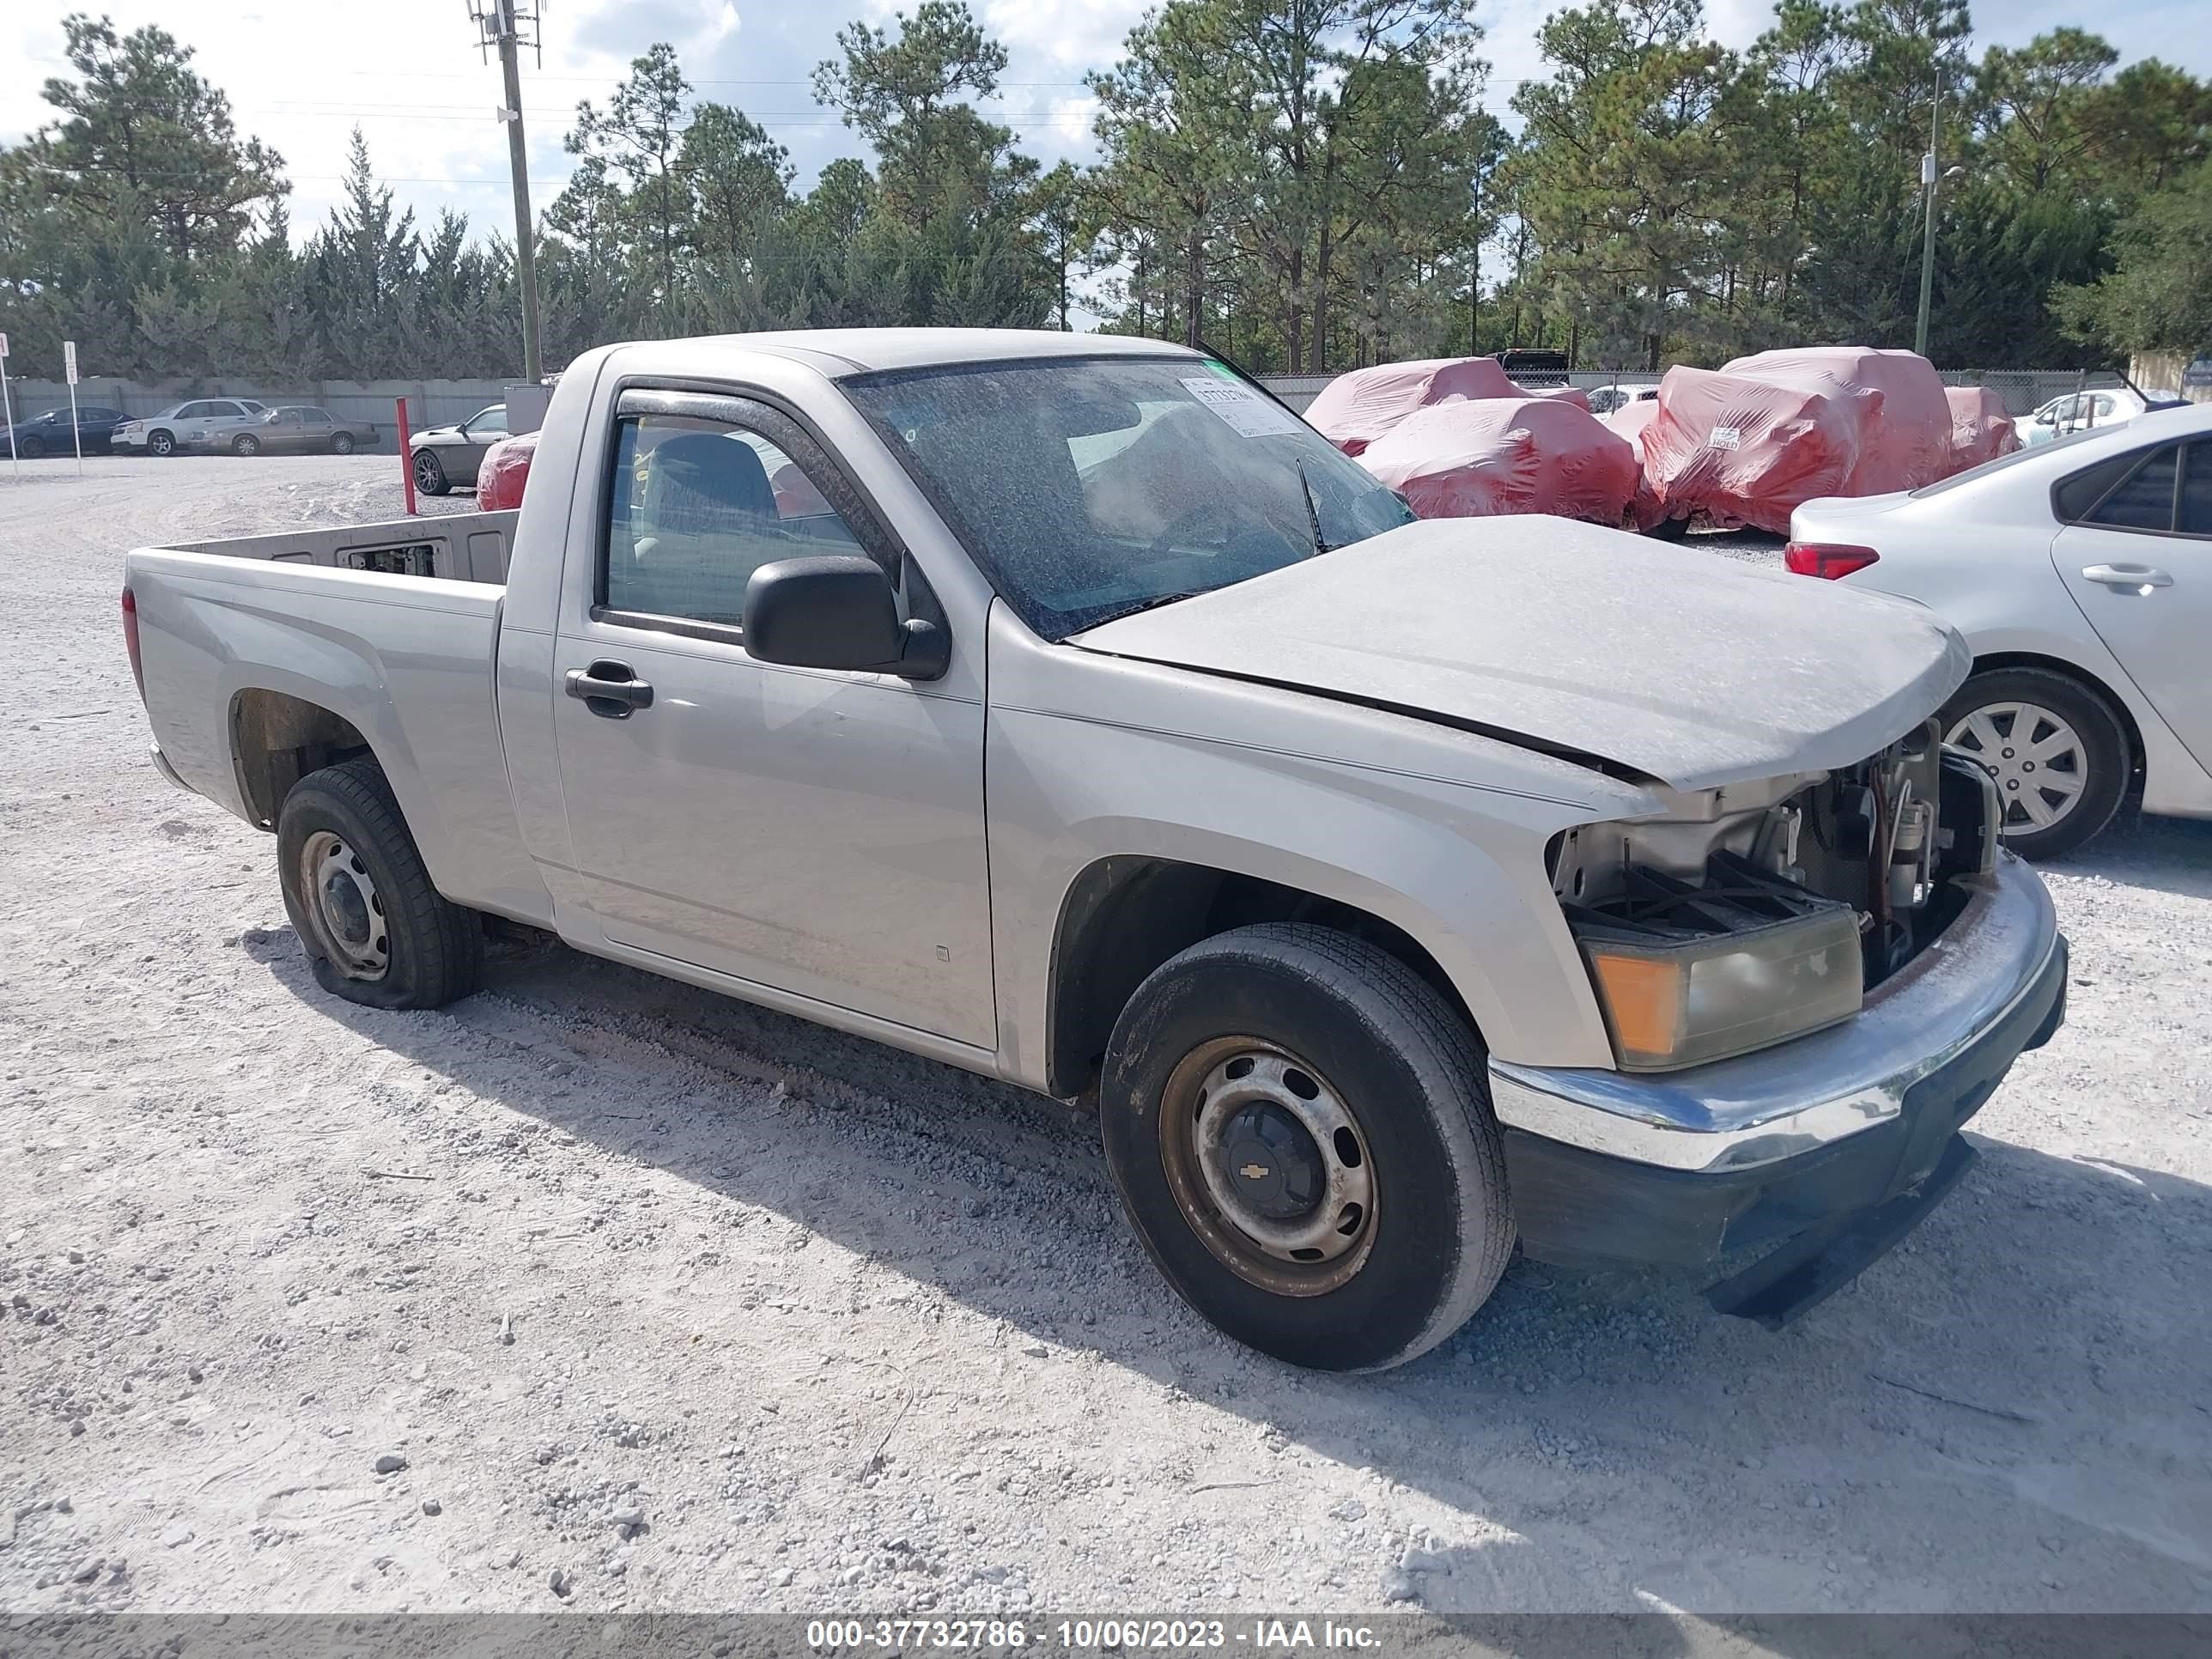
(131, 640)
(1828, 560)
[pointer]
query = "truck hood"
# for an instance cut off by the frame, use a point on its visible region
(1616, 650)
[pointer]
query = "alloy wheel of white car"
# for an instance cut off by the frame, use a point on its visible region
(2036, 758)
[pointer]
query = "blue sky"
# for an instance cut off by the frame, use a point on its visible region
(301, 76)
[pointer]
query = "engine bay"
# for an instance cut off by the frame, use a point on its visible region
(1885, 839)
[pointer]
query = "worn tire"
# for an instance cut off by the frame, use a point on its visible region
(436, 946)
(430, 473)
(2106, 753)
(1411, 1070)
(1670, 530)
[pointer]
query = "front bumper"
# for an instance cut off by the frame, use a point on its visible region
(1685, 1168)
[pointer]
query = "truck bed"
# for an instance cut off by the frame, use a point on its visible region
(280, 650)
(467, 547)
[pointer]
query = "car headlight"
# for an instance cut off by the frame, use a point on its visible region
(1672, 1003)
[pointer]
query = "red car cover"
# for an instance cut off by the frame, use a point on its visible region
(1356, 408)
(1469, 459)
(503, 471)
(1981, 427)
(1749, 452)
(1909, 445)
(1566, 394)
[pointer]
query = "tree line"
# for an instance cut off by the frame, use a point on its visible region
(1304, 185)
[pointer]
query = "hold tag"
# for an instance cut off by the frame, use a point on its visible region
(1248, 413)
(1726, 437)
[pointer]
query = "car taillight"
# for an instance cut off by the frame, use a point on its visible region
(1828, 560)
(131, 640)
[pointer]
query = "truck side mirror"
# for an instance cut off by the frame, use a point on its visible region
(837, 610)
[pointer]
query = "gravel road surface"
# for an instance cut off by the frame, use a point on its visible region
(600, 1282)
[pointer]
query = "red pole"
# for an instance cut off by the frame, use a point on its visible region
(406, 458)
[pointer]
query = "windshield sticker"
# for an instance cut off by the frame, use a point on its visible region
(1249, 414)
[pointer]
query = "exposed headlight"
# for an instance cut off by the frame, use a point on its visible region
(1693, 979)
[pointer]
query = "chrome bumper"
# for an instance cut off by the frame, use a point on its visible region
(1814, 1090)
(162, 765)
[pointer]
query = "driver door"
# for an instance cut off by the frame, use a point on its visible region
(814, 831)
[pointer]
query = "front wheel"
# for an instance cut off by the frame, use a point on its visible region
(375, 930)
(1299, 1128)
(245, 444)
(2057, 750)
(162, 444)
(431, 474)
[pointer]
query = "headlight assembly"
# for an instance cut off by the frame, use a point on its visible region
(1686, 973)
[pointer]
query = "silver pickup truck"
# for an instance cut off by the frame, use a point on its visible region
(1062, 707)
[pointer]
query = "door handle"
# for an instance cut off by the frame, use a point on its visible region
(2137, 576)
(610, 689)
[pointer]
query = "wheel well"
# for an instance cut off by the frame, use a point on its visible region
(1125, 916)
(1998, 659)
(277, 739)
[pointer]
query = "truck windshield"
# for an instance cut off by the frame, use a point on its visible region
(1089, 487)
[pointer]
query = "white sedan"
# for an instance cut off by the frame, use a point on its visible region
(2079, 572)
(2080, 412)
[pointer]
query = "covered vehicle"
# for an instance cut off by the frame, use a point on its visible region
(1471, 459)
(1354, 410)
(1738, 451)
(1981, 427)
(505, 469)
(1910, 444)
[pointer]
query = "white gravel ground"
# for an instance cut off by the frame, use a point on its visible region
(706, 1307)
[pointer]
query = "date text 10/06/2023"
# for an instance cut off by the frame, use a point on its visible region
(1261, 1636)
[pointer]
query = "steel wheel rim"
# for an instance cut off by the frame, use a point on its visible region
(2038, 761)
(344, 907)
(426, 473)
(1244, 1122)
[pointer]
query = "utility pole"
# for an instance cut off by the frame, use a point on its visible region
(1928, 184)
(501, 24)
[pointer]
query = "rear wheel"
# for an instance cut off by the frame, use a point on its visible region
(342, 444)
(1297, 1125)
(2056, 749)
(245, 444)
(375, 930)
(430, 473)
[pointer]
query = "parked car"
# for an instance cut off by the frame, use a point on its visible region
(1479, 880)
(446, 458)
(2081, 574)
(2079, 411)
(200, 423)
(51, 434)
(303, 429)
(1611, 399)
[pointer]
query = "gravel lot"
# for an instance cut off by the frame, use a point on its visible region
(695, 1306)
